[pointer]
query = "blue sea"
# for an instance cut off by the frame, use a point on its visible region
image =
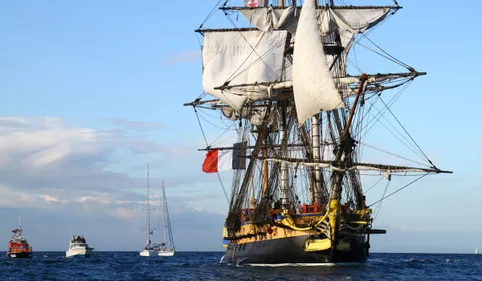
(205, 266)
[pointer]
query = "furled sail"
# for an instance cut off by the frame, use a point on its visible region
(348, 21)
(313, 87)
(349, 84)
(351, 19)
(255, 115)
(241, 57)
(268, 18)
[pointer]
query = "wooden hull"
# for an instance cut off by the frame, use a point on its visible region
(291, 250)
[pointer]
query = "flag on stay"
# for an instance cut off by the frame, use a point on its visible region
(225, 160)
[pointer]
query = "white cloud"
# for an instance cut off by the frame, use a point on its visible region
(137, 125)
(100, 200)
(123, 213)
(43, 141)
(12, 198)
(53, 199)
(51, 170)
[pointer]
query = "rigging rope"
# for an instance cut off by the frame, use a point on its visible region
(207, 145)
(388, 57)
(392, 57)
(408, 134)
(380, 115)
(379, 207)
(210, 123)
(393, 154)
(405, 141)
(412, 182)
(253, 51)
(212, 12)
(366, 191)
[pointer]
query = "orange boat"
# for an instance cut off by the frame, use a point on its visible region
(18, 247)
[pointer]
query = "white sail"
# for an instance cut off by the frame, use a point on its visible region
(350, 20)
(267, 19)
(166, 248)
(241, 57)
(313, 86)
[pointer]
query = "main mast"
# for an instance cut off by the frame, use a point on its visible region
(148, 212)
(164, 213)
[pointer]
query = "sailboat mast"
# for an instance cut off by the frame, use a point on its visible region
(164, 213)
(148, 211)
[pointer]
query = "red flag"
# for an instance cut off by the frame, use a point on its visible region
(210, 164)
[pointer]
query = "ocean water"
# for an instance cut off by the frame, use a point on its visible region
(205, 266)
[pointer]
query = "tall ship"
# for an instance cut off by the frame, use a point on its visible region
(18, 246)
(304, 126)
(166, 247)
(78, 247)
(150, 249)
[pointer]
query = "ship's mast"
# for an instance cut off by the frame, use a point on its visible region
(265, 171)
(148, 211)
(342, 155)
(316, 157)
(164, 212)
(284, 165)
(19, 226)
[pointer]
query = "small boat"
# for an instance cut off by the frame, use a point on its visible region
(476, 251)
(150, 250)
(79, 247)
(18, 246)
(167, 248)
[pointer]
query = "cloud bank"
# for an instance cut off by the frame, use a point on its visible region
(62, 180)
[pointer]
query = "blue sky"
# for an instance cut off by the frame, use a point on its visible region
(92, 91)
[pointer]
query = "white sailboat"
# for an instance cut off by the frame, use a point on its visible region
(167, 248)
(149, 250)
(476, 251)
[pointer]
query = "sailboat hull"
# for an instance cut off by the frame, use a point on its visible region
(148, 253)
(166, 253)
(291, 250)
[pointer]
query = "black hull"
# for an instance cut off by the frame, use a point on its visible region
(292, 250)
(23, 255)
